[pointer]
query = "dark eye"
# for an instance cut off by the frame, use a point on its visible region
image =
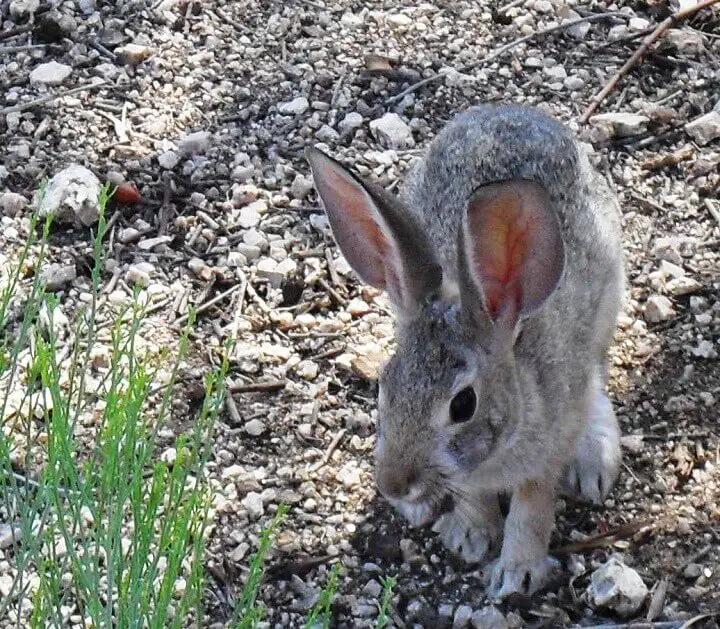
(462, 407)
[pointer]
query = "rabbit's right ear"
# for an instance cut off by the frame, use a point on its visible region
(512, 251)
(380, 240)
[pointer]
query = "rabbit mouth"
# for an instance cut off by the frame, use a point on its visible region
(419, 514)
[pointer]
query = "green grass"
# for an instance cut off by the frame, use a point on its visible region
(109, 525)
(106, 530)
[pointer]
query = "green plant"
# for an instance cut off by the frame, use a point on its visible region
(102, 525)
(249, 612)
(320, 614)
(388, 583)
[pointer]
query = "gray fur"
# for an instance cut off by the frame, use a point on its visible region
(535, 400)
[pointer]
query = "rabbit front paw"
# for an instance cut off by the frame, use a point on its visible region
(593, 471)
(523, 576)
(473, 538)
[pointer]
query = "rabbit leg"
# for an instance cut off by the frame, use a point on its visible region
(524, 564)
(595, 468)
(471, 530)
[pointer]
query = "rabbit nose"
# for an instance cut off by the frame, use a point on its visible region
(398, 485)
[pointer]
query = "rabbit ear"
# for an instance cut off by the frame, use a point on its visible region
(380, 240)
(513, 250)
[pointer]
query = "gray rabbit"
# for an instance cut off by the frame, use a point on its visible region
(502, 258)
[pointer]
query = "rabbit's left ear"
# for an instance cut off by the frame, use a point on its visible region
(381, 240)
(512, 249)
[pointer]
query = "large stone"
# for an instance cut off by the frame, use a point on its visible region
(295, 107)
(392, 131)
(51, 73)
(658, 308)
(617, 587)
(704, 129)
(72, 196)
(622, 124)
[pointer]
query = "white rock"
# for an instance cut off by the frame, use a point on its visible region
(9, 535)
(686, 41)
(543, 6)
(573, 83)
(249, 217)
(51, 73)
(56, 276)
(658, 308)
(72, 196)
(168, 160)
(200, 268)
(295, 107)
(351, 121)
(326, 134)
(255, 428)
(136, 275)
(349, 477)
(617, 587)
(301, 187)
(307, 369)
(287, 267)
(195, 143)
(462, 616)
(617, 32)
(253, 503)
(151, 243)
(638, 24)
(11, 203)
(622, 124)
(392, 131)
(533, 62)
(357, 307)
(557, 73)
(236, 259)
(489, 617)
(399, 19)
(21, 8)
(705, 350)
(133, 54)
(704, 129)
(351, 20)
(267, 268)
(249, 252)
(578, 31)
(682, 286)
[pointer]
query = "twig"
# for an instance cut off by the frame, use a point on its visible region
(604, 539)
(47, 98)
(330, 449)
(694, 558)
(258, 387)
(208, 304)
(659, 31)
(233, 410)
(13, 49)
(670, 624)
(14, 32)
(500, 51)
(506, 7)
(714, 212)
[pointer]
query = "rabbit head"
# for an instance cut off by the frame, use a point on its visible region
(455, 403)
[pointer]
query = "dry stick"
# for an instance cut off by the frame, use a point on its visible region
(328, 453)
(659, 31)
(495, 54)
(49, 97)
(258, 387)
(13, 49)
(208, 304)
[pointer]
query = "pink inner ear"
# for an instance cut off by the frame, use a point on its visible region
(514, 245)
(354, 222)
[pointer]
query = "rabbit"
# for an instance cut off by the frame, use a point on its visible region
(502, 260)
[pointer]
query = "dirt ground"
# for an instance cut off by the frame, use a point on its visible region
(209, 115)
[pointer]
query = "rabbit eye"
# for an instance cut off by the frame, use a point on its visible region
(462, 407)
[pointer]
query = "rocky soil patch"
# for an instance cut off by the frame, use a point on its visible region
(201, 111)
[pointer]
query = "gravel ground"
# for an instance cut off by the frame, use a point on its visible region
(206, 107)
